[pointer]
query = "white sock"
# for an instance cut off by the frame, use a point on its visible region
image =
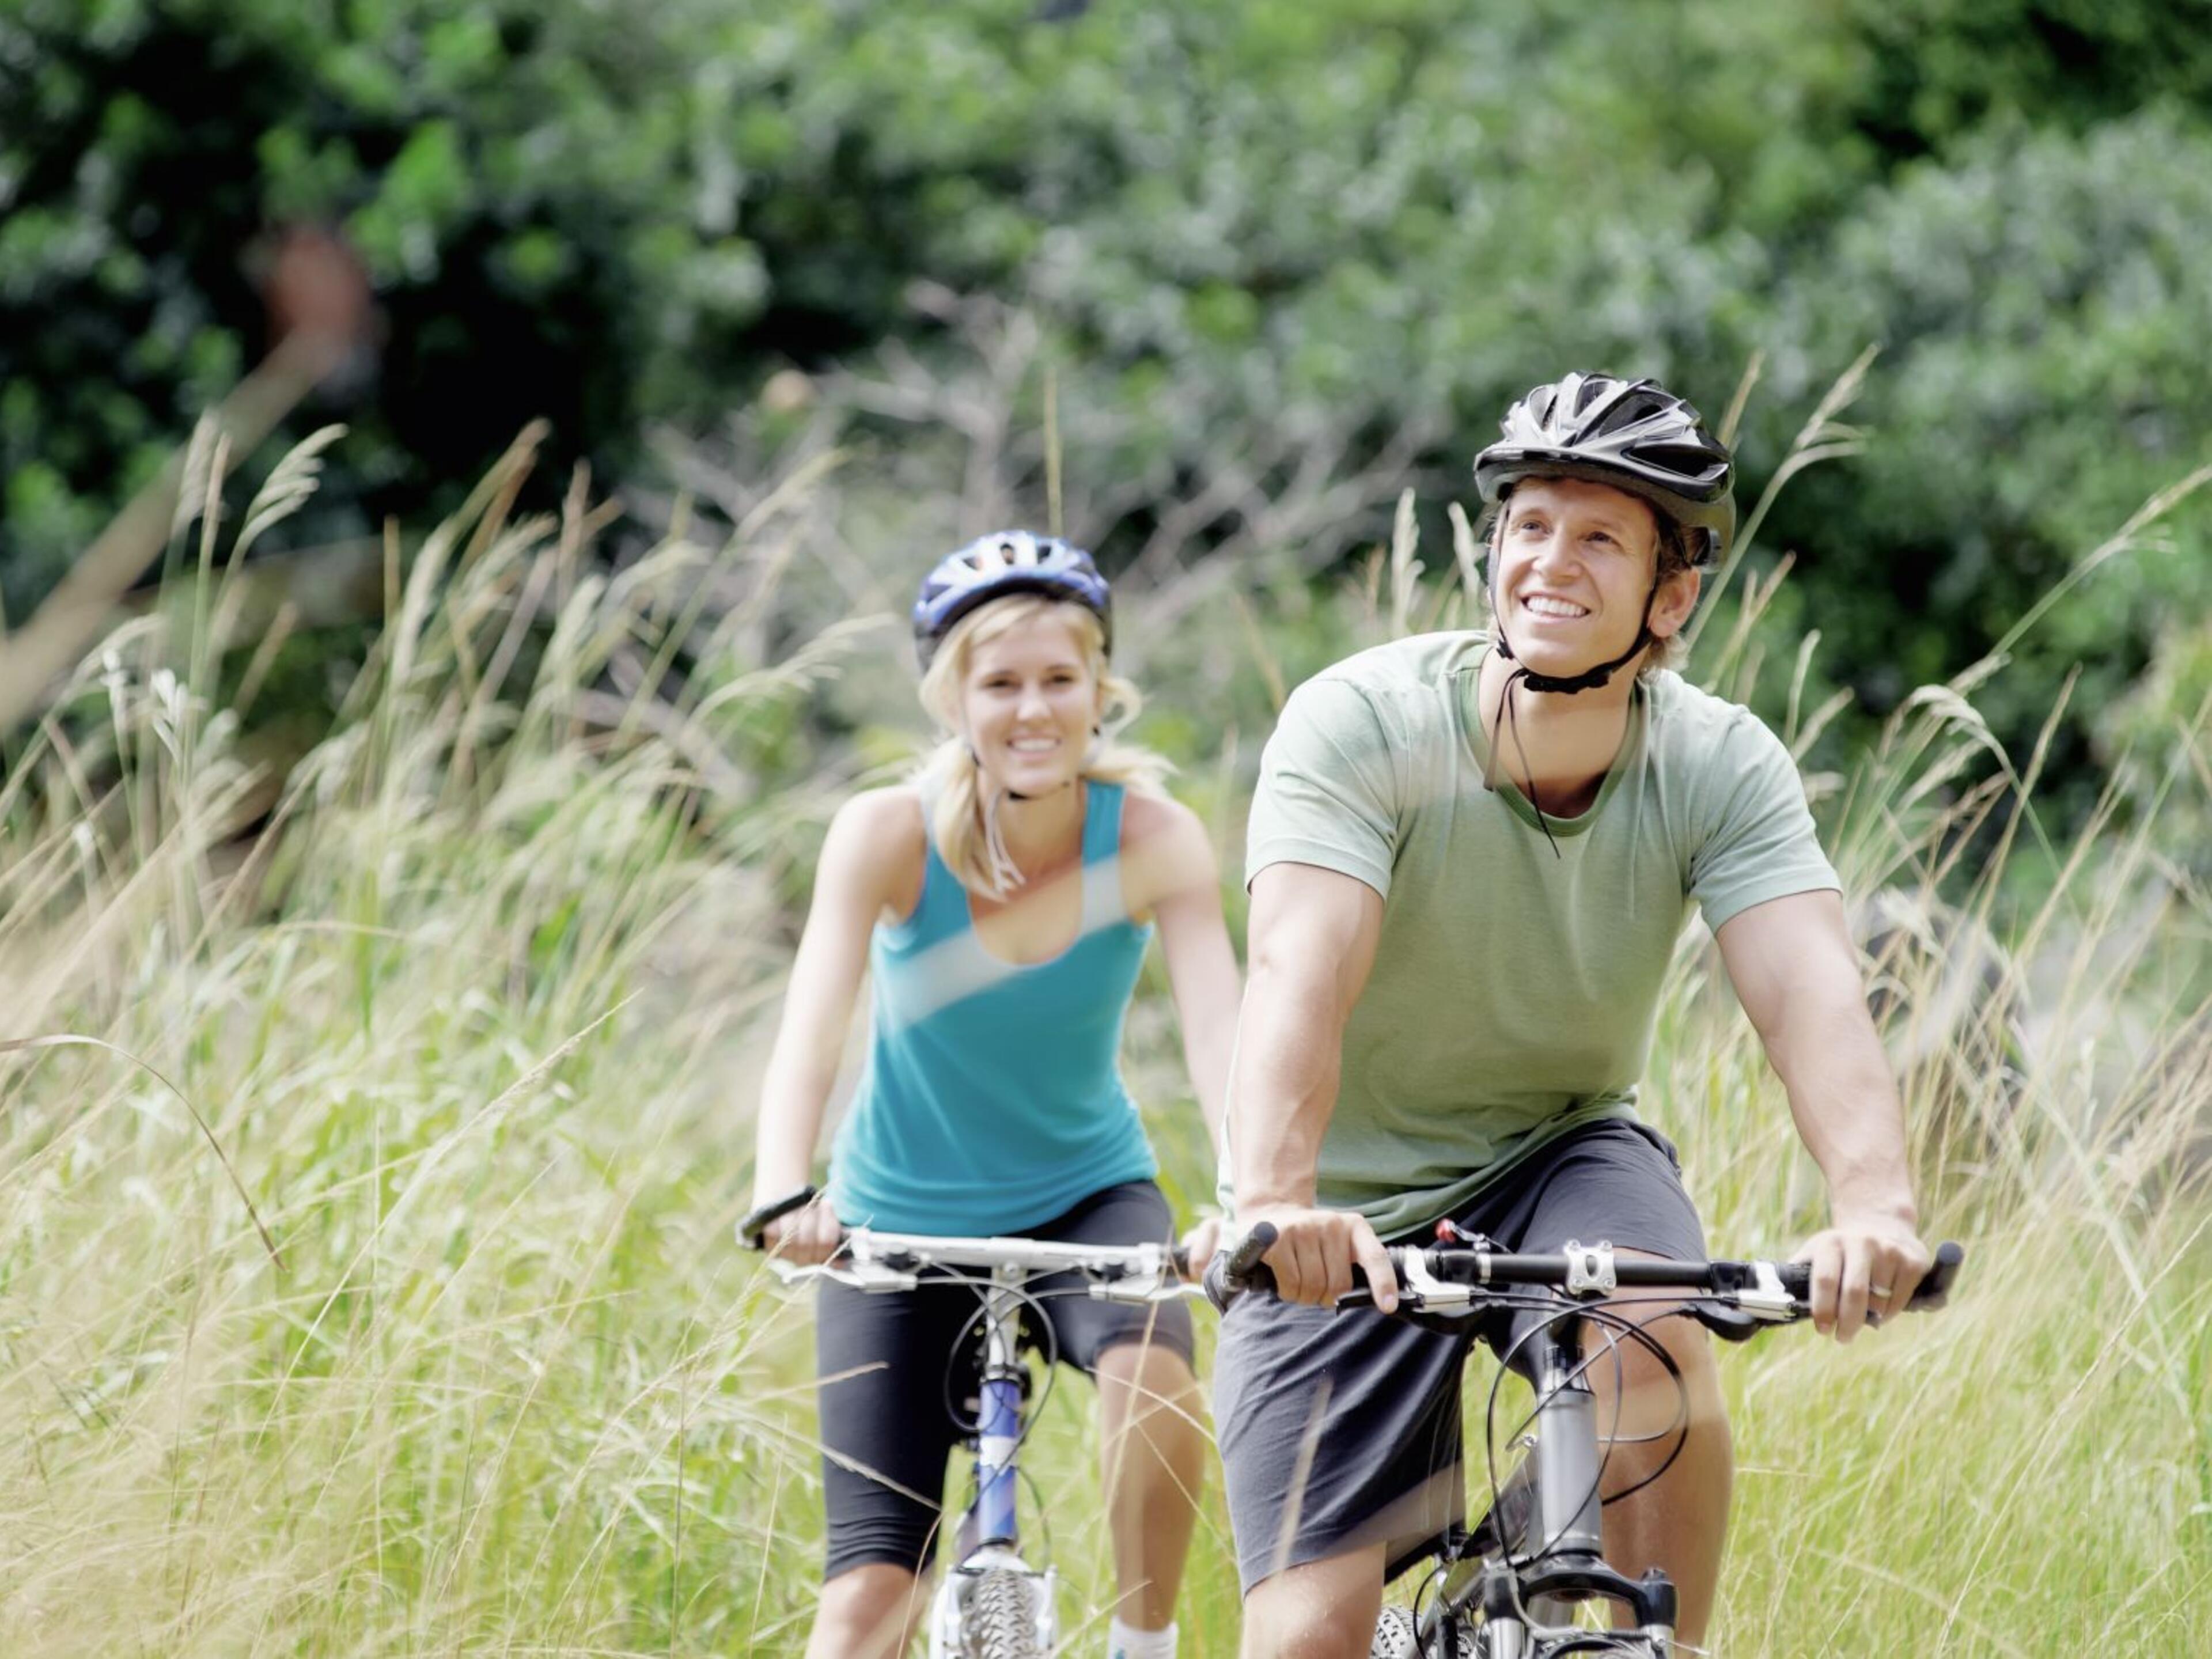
(1124, 1643)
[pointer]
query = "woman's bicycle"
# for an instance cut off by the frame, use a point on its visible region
(994, 1602)
(1509, 1586)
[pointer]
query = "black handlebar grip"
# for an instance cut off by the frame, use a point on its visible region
(1244, 1271)
(1935, 1284)
(752, 1231)
(1935, 1288)
(1229, 1275)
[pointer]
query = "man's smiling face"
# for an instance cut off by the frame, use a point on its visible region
(1574, 564)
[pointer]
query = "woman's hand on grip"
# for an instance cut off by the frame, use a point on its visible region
(805, 1237)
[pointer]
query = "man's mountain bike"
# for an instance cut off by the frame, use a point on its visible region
(1509, 1586)
(994, 1601)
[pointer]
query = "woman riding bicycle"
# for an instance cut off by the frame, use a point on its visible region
(1002, 902)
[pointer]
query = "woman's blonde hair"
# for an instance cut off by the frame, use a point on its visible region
(963, 818)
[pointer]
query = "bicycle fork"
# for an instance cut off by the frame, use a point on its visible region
(989, 1536)
(1563, 1543)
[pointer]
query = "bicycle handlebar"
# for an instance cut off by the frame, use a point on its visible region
(872, 1261)
(913, 1251)
(1467, 1273)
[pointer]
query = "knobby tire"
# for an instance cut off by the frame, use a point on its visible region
(1395, 1639)
(1001, 1621)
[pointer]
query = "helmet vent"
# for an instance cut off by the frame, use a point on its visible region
(1009, 561)
(1631, 435)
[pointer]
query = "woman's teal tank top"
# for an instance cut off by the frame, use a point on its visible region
(993, 1098)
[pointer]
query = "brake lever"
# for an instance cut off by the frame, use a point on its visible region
(1766, 1298)
(1148, 1290)
(1419, 1290)
(1168, 1280)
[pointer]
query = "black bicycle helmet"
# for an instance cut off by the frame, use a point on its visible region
(1009, 561)
(1633, 435)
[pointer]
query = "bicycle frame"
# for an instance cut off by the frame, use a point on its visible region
(988, 1541)
(989, 1534)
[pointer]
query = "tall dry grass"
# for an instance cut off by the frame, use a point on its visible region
(364, 1192)
(365, 1187)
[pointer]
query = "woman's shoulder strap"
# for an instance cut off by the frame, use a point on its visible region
(1101, 820)
(1105, 870)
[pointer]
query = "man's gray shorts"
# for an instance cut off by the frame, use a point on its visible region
(1342, 1431)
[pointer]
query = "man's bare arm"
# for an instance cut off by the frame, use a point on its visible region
(1796, 974)
(1311, 941)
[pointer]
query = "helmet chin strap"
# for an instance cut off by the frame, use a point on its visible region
(976, 760)
(1590, 678)
(994, 841)
(1557, 685)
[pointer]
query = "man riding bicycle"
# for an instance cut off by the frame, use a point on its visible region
(1469, 859)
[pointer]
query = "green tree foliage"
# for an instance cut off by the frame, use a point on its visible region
(2035, 295)
(1268, 244)
(1938, 70)
(516, 176)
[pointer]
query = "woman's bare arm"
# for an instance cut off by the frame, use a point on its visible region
(870, 862)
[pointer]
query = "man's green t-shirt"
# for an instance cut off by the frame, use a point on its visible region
(1514, 986)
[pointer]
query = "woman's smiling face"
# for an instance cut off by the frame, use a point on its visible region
(1031, 701)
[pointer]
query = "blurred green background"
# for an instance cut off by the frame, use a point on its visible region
(397, 888)
(1275, 249)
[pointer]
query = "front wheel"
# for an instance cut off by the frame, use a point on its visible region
(1397, 1636)
(1002, 1617)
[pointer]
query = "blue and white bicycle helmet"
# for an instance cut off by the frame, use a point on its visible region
(1008, 562)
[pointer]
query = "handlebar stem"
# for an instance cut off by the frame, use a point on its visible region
(1591, 1271)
